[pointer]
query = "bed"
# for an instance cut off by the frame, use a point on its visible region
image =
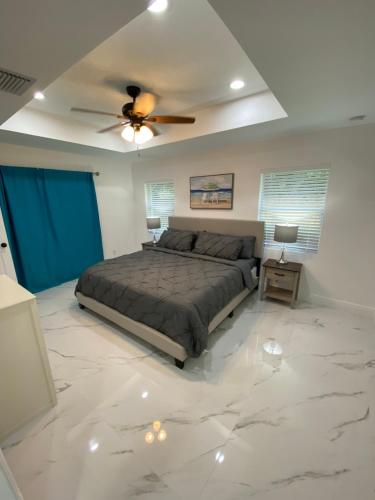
(174, 299)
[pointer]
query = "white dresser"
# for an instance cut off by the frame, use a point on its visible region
(26, 385)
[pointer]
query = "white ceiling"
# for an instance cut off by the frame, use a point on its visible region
(186, 56)
(317, 57)
(43, 38)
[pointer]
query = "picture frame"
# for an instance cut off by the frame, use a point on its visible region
(212, 192)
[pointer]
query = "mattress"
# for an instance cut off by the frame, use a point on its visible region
(176, 293)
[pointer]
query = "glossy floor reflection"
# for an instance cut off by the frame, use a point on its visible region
(280, 407)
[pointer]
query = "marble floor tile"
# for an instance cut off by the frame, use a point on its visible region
(280, 406)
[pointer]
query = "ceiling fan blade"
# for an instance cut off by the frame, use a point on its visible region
(112, 127)
(153, 129)
(145, 104)
(92, 111)
(170, 119)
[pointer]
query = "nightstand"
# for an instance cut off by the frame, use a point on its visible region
(281, 281)
(147, 244)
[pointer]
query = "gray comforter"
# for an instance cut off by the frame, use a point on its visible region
(177, 293)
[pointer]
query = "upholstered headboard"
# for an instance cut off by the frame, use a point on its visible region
(234, 227)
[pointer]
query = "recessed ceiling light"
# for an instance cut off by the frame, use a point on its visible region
(237, 84)
(39, 95)
(158, 5)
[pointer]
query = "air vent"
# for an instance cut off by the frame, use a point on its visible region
(14, 83)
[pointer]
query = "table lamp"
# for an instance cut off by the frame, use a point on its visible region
(152, 224)
(285, 233)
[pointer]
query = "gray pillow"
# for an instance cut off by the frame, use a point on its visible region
(218, 245)
(177, 240)
(248, 247)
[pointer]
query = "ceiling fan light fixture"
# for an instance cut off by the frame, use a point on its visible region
(158, 6)
(128, 133)
(136, 118)
(143, 134)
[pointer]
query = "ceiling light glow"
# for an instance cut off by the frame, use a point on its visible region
(39, 96)
(237, 84)
(272, 347)
(156, 425)
(162, 436)
(143, 135)
(144, 394)
(149, 437)
(93, 445)
(158, 6)
(137, 134)
(128, 133)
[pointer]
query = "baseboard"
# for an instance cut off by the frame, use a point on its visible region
(40, 411)
(342, 304)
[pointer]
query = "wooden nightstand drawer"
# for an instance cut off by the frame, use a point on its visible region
(280, 276)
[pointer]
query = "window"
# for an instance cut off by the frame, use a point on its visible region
(160, 201)
(294, 197)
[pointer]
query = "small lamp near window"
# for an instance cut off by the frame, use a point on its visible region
(285, 233)
(152, 224)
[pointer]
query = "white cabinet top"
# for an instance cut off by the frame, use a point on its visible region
(11, 293)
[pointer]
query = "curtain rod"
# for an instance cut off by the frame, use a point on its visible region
(46, 168)
(83, 171)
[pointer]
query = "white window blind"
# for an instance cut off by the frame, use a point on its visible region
(294, 197)
(160, 201)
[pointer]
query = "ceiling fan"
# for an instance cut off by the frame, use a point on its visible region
(136, 119)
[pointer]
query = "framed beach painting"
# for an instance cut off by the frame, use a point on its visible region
(212, 191)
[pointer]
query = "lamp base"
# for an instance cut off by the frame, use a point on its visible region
(282, 259)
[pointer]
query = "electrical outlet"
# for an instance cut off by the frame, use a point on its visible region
(114, 253)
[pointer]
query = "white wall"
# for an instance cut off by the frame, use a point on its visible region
(343, 269)
(114, 189)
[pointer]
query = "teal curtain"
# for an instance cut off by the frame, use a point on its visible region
(52, 222)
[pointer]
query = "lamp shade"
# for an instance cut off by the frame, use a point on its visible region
(153, 222)
(286, 233)
(143, 134)
(128, 133)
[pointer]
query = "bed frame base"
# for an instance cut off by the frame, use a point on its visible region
(151, 335)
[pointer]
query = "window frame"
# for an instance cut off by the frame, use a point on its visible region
(299, 246)
(157, 213)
